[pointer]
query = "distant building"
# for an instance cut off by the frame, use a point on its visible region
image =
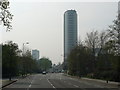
(35, 54)
(70, 32)
(119, 7)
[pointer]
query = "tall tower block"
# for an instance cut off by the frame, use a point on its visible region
(70, 32)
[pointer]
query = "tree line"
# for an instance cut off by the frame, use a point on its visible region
(15, 63)
(99, 55)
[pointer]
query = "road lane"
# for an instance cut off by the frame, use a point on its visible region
(40, 81)
(51, 84)
(55, 81)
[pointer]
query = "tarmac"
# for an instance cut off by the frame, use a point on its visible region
(6, 82)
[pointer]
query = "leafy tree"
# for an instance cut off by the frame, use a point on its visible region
(5, 15)
(13, 64)
(83, 60)
(44, 64)
(114, 35)
(80, 61)
(9, 59)
(1, 60)
(27, 64)
(114, 40)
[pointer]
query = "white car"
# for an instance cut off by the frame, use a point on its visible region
(44, 72)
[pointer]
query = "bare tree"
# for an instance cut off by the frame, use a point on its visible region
(92, 41)
(103, 38)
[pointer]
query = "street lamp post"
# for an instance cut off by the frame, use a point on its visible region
(23, 47)
(23, 62)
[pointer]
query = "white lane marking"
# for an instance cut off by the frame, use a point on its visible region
(75, 86)
(60, 78)
(51, 83)
(31, 83)
(71, 84)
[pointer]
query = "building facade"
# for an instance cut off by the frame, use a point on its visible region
(119, 7)
(70, 32)
(35, 54)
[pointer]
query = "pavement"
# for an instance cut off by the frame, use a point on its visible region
(96, 80)
(103, 81)
(58, 81)
(6, 82)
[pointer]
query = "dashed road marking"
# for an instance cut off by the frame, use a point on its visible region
(72, 84)
(30, 84)
(51, 83)
(75, 86)
(60, 78)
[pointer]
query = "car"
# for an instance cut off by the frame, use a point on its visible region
(44, 72)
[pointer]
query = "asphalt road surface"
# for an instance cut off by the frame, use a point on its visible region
(58, 81)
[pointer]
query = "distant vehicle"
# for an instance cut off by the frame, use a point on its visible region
(44, 72)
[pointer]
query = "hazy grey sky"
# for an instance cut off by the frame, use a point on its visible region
(41, 23)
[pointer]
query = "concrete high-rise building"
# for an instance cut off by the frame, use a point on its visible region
(119, 7)
(35, 54)
(70, 32)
